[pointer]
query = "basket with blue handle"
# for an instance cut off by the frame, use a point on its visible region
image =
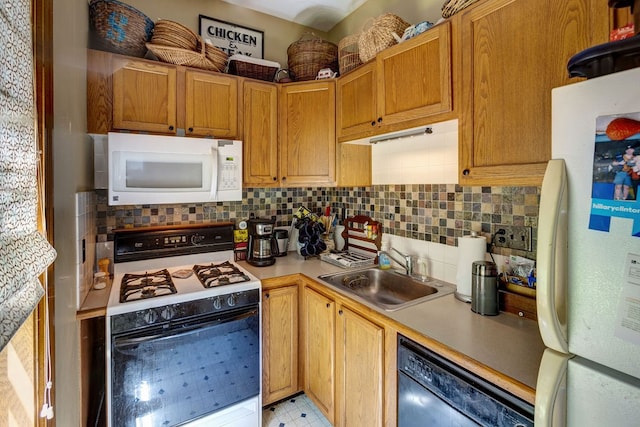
(119, 28)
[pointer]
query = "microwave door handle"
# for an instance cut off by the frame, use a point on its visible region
(214, 174)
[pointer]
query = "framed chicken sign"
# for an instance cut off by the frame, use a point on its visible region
(232, 38)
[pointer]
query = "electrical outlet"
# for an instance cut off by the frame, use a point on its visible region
(513, 237)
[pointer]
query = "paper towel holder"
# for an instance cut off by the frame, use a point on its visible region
(464, 277)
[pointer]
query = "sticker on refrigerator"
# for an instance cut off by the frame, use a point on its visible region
(616, 172)
(628, 318)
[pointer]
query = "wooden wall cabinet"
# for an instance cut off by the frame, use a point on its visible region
(356, 110)
(135, 94)
(307, 134)
(144, 96)
(353, 165)
(514, 52)
(211, 104)
(279, 343)
(407, 85)
(260, 144)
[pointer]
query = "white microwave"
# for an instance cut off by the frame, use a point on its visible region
(154, 169)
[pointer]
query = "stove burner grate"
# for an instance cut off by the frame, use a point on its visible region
(221, 274)
(147, 285)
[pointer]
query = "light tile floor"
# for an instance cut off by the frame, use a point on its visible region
(297, 411)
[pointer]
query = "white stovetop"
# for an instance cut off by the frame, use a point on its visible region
(188, 289)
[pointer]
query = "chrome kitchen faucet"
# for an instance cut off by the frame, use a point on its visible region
(407, 262)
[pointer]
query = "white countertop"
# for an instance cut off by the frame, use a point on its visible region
(506, 343)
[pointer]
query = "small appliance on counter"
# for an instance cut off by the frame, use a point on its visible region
(263, 246)
(282, 238)
(484, 288)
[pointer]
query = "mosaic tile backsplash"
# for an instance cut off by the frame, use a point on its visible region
(429, 212)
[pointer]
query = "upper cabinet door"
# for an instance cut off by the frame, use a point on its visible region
(144, 96)
(513, 53)
(415, 77)
(211, 105)
(356, 106)
(308, 133)
(260, 146)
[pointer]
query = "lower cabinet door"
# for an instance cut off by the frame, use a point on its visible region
(279, 343)
(360, 370)
(319, 351)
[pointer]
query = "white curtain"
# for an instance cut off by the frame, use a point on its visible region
(24, 252)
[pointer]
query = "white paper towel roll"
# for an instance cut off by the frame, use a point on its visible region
(470, 248)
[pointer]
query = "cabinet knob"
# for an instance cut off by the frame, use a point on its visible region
(466, 172)
(379, 119)
(266, 296)
(328, 305)
(340, 312)
(373, 123)
(284, 178)
(275, 178)
(190, 129)
(170, 127)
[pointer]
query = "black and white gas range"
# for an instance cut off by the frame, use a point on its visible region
(183, 330)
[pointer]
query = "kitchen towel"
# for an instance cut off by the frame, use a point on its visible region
(470, 248)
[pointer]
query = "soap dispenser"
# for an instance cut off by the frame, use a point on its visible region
(384, 263)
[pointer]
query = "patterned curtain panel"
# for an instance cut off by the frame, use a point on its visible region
(24, 252)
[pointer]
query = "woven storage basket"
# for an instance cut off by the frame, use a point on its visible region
(214, 54)
(348, 55)
(451, 7)
(255, 68)
(189, 58)
(119, 28)
(170, 33)
(309, 55)
(379, 36)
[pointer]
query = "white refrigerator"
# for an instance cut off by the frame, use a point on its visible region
(588, 288)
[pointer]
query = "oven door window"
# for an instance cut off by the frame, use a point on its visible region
(168, 376)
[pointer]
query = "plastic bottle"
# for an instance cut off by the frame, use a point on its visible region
(384, 263)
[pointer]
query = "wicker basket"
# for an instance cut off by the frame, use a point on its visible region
(214, 54)
(379, 36)
(119, 28)
(246, 66)
(189, 58)
(348, 55)
(451, 7)
(170, 33)
(309, 55)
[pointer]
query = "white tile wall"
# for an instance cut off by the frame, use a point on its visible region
(423, 159)
(85, 243)
(441, 260)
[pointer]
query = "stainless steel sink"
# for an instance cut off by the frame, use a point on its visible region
(387, 289)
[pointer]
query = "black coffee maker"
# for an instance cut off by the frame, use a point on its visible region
(263, 246)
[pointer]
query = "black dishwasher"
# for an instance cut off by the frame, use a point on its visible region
(434, 392)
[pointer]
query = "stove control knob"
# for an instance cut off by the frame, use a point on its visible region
(231, 300)
(217, 303)
(150, 317)
(168, 312)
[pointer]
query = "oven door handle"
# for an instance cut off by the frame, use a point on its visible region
(181, 329)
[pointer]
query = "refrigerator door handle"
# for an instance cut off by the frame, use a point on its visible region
(551, 300)
(551, 390)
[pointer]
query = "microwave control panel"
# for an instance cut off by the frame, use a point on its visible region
(229, 173)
